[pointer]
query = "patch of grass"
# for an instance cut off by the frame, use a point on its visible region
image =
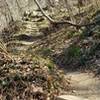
(70, 34)
(44, 62)
(50, 65)
(74, 51)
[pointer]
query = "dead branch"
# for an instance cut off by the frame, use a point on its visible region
(42, 11)
(63, 22)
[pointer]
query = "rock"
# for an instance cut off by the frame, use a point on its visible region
(70, 97)
(35, 14)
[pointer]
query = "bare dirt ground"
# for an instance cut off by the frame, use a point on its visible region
(85, 85)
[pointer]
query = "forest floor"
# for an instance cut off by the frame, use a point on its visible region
(57, 56)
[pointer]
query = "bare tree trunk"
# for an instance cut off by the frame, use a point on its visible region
(8, 13)
(20, 10)
(42, 11)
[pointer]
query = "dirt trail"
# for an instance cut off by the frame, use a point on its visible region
(85, 85)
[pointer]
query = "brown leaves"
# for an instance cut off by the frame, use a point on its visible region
(28, 79)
